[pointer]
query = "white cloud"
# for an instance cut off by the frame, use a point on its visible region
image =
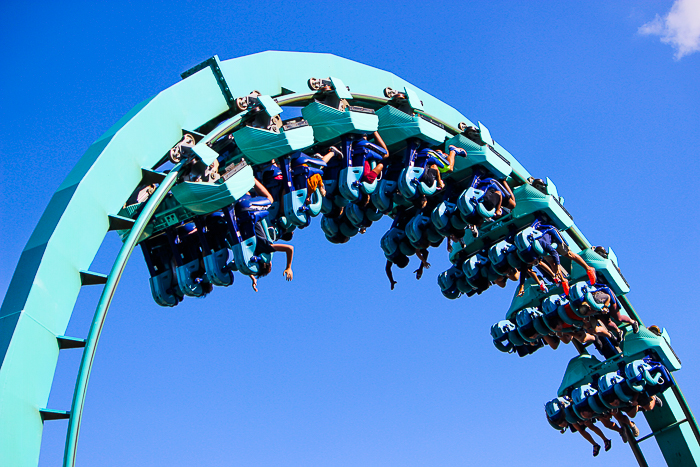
(680, 27)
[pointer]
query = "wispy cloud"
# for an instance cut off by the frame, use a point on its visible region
(680, 27)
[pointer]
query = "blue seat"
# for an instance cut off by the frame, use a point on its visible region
(441, 216)
(212, 232)
(473, 265)
(241, 226)
(368, 151)
(640, 373)
(580, 397)
(525, 321)
(415, 229)
(407, 187)
(189, 272)
(315, 206)
(556, 411)
(468, 200)
(606, 389)
(158, 254)
(248, 203)
(391, 241)
(295, 210)
(187, 280)
(350, 178)
(498, 255)
(329, 226)
(349, 182)
(582, 292)
(499, 333)
(571, 415)
(216, 266)
(471, 201)
(301, 172)
(164, 289)
(355, 215)
(555, 307)
(346, 228)
(544, 325)
(528, 249)
(299, 159)
(447, 281)
(423, 159)
(382, 197)
(516, 339)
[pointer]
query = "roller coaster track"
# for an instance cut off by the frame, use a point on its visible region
(54, 264)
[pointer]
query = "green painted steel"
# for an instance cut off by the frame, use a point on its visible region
(203, 197)
(98, 320)
(45, 285)
(53, 265)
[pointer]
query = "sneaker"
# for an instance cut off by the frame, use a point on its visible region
(474, 230)
(596, 450)
(635, 327)
(635, 430)
(457, 150)
(336, 151)
(659, 402)
(608, 444)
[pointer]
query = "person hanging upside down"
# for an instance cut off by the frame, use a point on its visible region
(263, 245)
(610, 309)
(581, 429)
(402, 262)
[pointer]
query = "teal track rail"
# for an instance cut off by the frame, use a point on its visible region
(55, 263)
(103, 307)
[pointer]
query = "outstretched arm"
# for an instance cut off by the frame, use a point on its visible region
(521, 285)
(255, 282)
(390, 274)
(589, 270)
(289, 251)
(380, 142)
(262, 191)
(511, 201)
(423, 257)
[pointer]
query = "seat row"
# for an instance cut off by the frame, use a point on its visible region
(557, 316)
(632, 386)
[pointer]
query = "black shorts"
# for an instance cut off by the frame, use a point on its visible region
(429, 176)
(490, 199)
(262, 244)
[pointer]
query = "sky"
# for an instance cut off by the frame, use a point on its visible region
(334, 368)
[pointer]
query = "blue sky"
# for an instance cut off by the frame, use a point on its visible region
(334, 368)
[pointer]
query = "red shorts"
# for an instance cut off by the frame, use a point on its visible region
(369, 175)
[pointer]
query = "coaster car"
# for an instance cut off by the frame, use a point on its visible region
(265, 136)
(402, 119)
(330, 114)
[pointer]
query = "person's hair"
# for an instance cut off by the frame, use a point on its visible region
(264, 268)
(601, 251)
(207, 288)
(585, 309)
(655, 329)
(401, 261)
